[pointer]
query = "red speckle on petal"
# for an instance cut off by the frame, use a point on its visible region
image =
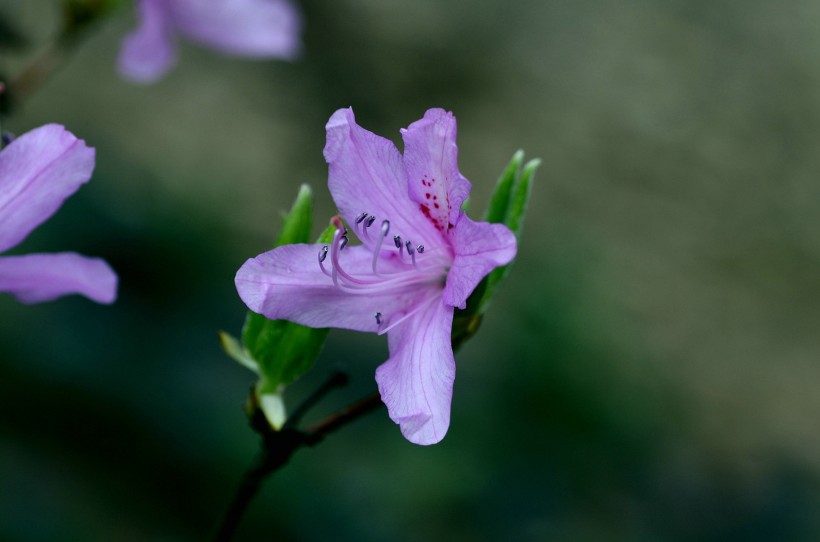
(439, 226)
(428, 195)
(436, 205)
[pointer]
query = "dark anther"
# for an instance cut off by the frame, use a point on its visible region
(361, 218)
(420, 249)
(409, 246)
(370, 220)
(385, 227)
(323, 254)
(378, 318)
(397, 241)
(343, 242)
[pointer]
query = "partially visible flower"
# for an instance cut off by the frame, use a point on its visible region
(38, 171)
(420, 256)
(250, 28)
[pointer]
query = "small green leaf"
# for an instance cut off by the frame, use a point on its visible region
(514, 219)
(508, 206)
(235, 350)
(284, 350)
(520, 198)
(327, 235)
(298, 222)
(500, 201)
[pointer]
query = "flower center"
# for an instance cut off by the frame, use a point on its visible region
(396, 268)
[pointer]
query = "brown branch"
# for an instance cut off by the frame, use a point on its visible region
(346, 415)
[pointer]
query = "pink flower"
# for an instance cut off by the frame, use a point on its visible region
(38, 171)
(420, 256)
(250, 28)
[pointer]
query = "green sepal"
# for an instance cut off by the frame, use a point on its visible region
(508, 206)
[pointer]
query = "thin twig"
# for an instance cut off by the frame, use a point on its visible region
(337, 380)
(248, 487)
(346, 415)
(272, 459)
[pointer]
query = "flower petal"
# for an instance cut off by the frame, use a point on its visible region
(480, 247)
(416, 383)
(257, 28)
(431, 160)
(34, 278)
(38, 171)
(148, 52)
(366, 174)
(287, 283)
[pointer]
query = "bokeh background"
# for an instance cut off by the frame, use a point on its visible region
(649, 372)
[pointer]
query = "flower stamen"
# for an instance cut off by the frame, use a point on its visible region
(367, 223)
(377, 248)
(392, 281)
(334, 258)
(339, 242)
(412, 253)
(322, 258)
(399, 244)
(356, 223)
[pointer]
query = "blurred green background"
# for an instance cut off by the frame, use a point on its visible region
(649, 371)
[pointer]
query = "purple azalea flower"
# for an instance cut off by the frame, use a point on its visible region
(38, 171)
(250, 28)
(420, 256)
